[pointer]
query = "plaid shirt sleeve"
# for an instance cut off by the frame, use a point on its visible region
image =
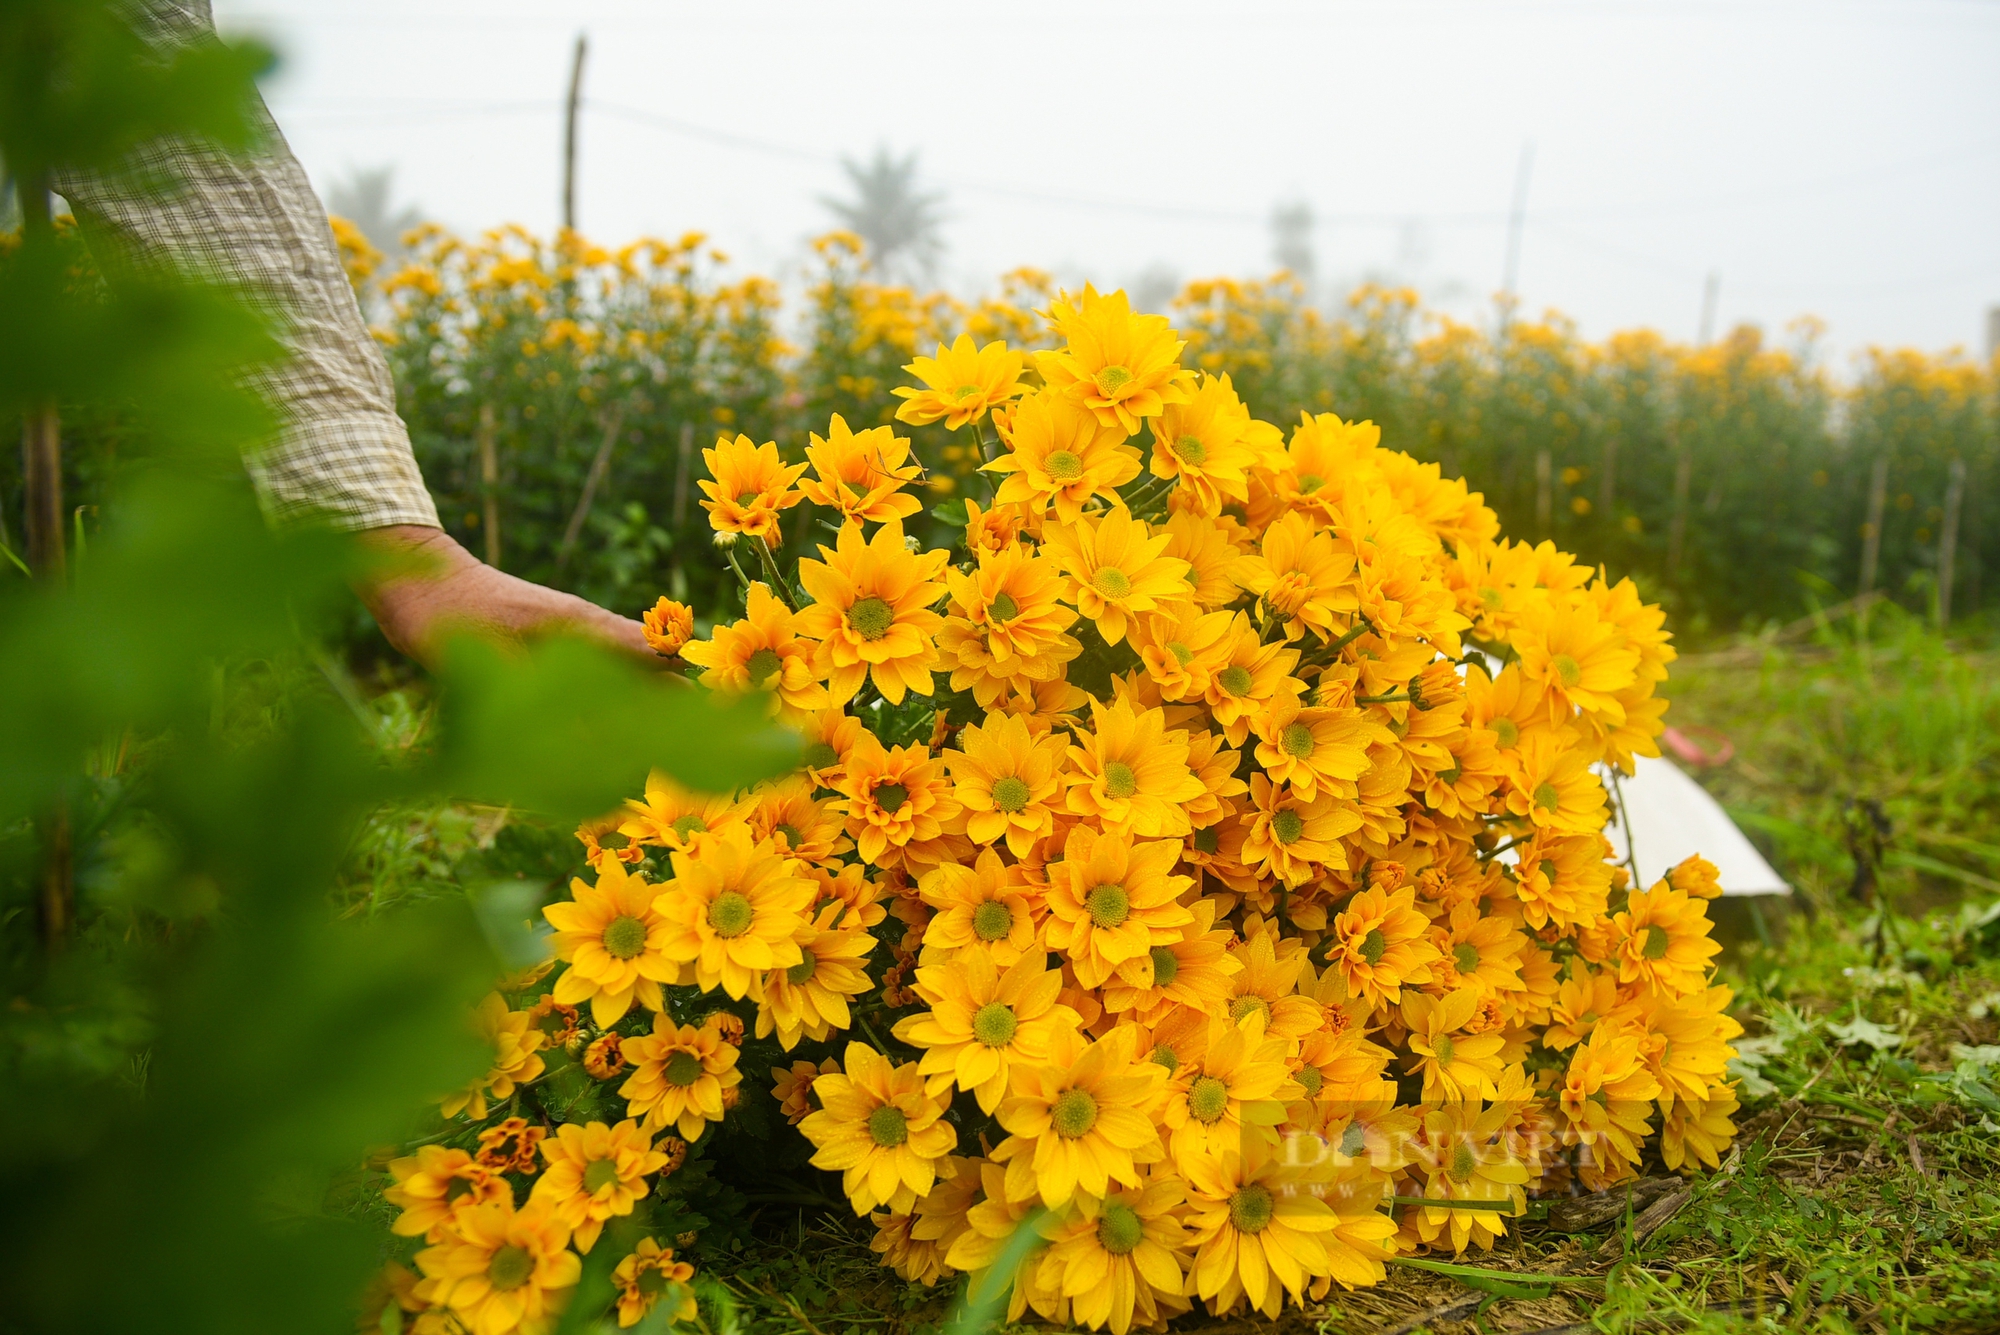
(342, 453)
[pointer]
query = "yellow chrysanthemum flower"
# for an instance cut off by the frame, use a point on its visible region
(1698, 1130)
(668, 626)
(797, 822)
(1382, 944)
(982, 1020)
(791, 1086)
(1311, 750)
(762, 652)
(1263, 1227)
(680, 1074)
(680, 821)
(1130, 775)
(1081, 1121)
(1250, 676)
(1463, 1157)
(879, 1129)
(595, 1173)
(1302, 579)
(1456, 1065)
(1007, 623)
(1122, 366)
(613, 941)
(900, 807)
(988, 907)
(1059, 454)
(1193, 972)
(1687, 1042)
(991, 1223)
(737, 911)
(1581, 662)
(1116, 570)
(516, 1045)
(1009, 782)
(434, 1185)
(1550, 784)
(1111, 900)
(1606, 1096)
(1237, 1091)
(648, 1277)
(1662, 941)
(1118, 1260)
(861, 475)
(499, 1270)
(1202, 445)
(960, 383)
(752, 486)
(810, 999)
(1291, 838)
(872, 613)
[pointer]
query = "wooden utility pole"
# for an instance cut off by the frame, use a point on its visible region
(1954, 500)
(1517, 219)
(1677, 526)
(569, 136)
(1544, 498)
(489, 483)
(1871, 528)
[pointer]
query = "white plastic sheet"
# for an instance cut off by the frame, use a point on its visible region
(1671, 817)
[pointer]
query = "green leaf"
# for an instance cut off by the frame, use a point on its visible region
(951, 512)
(1500, 1283)
(1860, 1031)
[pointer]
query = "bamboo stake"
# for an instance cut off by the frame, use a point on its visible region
(489, 482)
(1954, 498)
(1871, 529)
(599, 466)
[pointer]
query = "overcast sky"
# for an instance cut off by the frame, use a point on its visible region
(1839, 158)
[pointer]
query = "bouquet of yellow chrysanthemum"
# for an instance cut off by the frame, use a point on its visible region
(1200, 863)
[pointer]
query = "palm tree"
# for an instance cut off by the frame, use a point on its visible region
(364, 197)
(899, 223)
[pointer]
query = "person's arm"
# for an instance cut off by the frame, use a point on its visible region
(343, 454)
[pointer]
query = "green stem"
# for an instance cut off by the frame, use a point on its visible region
(1393, 698)
(778, 584)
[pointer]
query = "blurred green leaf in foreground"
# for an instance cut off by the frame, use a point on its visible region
(188, 1069)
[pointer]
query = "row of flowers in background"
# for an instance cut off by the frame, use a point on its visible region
(1195, 860)
(562, 391)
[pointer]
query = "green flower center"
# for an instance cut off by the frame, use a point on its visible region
(1547, 798)
(1207, 839)
(793, 838)
(1003, 607)
(1310, 483)
(1073, 1113)
(994, 1024)
(1119, 1230)
(624, 937)
(746, 497)
(1166, 1057)
(1247, 1005)
(1312, 1079)
(858, 490)
(652, 1283)
(1011, 793)
(1208, 1099)
(964, 392)
(764, 665)
(802, 973)
(1567, 669)
(870, 618)
(1447, 1051)
(1354, 1139)
(1466, 957)
(1236, 680)
(1374, 946)
(1657, 941)
(1108, 905)
(1119, 780)
(1112, 582)
(1063, 465)
(455, 1187)
(510, 1267)
(683, 1069)
(1507, 732)
(731, 914)
(1462, 1163)
(1251, 1209)
(891, 796)
(888, 1127)
(1182, 654)
(599, 1174)
(686, 827)
(1548, 870)
(992, 920)
(1287, 825)
(1112, 379)
(821, 755)
(1191, 449)
(1166, 965)
(1297, 741)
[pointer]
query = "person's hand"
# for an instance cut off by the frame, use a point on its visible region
(440, 588)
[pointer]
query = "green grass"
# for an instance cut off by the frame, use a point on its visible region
(1864, 1192)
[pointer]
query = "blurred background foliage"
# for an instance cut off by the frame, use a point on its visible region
(199, 1041)
(560, 393)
